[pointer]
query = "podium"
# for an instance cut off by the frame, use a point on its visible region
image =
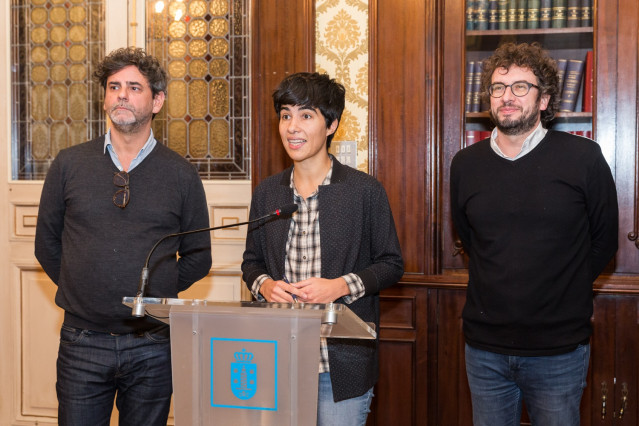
(248, 363)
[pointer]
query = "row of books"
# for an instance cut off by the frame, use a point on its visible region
(575, 82)
(473, 136)
(575, 79)
(522, 14)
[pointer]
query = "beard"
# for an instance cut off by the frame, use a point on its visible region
(127, 123)
(517, 126)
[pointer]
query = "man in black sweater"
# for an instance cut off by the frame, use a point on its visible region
(536, 211)
(104, 204)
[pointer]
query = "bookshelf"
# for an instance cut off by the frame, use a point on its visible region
(463, 125)
(569, 45)
(564, 32)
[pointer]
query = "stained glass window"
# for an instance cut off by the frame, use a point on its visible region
(204, 46)
(55, 103)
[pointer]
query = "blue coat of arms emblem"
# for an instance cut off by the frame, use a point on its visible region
(243, 375)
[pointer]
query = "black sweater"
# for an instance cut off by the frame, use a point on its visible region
(538, 231)
(95, 251)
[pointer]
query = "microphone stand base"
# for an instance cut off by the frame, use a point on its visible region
(138, 307)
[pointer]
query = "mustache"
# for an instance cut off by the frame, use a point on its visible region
(123, 105)
(509, 104)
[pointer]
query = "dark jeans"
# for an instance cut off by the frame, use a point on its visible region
(94, 368)
(551, 386)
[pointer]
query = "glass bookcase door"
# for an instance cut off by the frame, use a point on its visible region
(471, 33)
(564, 29)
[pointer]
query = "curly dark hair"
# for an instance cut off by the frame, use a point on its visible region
(121, 58)
(530, 56)
(312, 90)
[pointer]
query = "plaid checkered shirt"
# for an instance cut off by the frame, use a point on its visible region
(303, 254)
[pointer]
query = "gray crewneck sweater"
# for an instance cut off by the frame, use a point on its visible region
(95, 251)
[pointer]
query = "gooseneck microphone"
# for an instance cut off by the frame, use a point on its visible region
(138, 304)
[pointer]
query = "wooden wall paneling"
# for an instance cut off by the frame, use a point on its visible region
(432, 368)
(588, 395)
(453, 117)
(605, 124)
(394, 401)
(602, 361)
(627, 161)
(627, 358)
(283, 39)
(433, 142)
(613, 361)
(586, 400)
(400, 394)
(403, 121)
(422, 309)
(453, 394)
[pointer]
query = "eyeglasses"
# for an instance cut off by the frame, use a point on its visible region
(121, 197)
(519, 88)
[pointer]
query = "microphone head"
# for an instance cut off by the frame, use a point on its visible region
(286, 210)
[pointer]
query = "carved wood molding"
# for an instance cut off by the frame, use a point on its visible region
(634, 234)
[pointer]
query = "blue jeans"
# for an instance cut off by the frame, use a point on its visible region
(94, 368)
(349, 412)
(551, 386)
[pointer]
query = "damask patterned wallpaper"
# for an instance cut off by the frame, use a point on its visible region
(341, 49)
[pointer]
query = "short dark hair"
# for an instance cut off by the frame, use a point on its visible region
(536, 59)
(312, 90)
(121, 58)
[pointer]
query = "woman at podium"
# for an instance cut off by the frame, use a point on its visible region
(340, 246)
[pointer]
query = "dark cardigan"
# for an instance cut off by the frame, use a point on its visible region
(357, 235)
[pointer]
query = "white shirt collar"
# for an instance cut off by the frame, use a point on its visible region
(146, 149)
(529, 144)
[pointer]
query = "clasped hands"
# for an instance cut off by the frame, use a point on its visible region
(312, 290)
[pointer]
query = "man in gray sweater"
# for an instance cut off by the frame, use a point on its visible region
(104, 204)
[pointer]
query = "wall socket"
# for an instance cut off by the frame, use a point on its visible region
(345, 152)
